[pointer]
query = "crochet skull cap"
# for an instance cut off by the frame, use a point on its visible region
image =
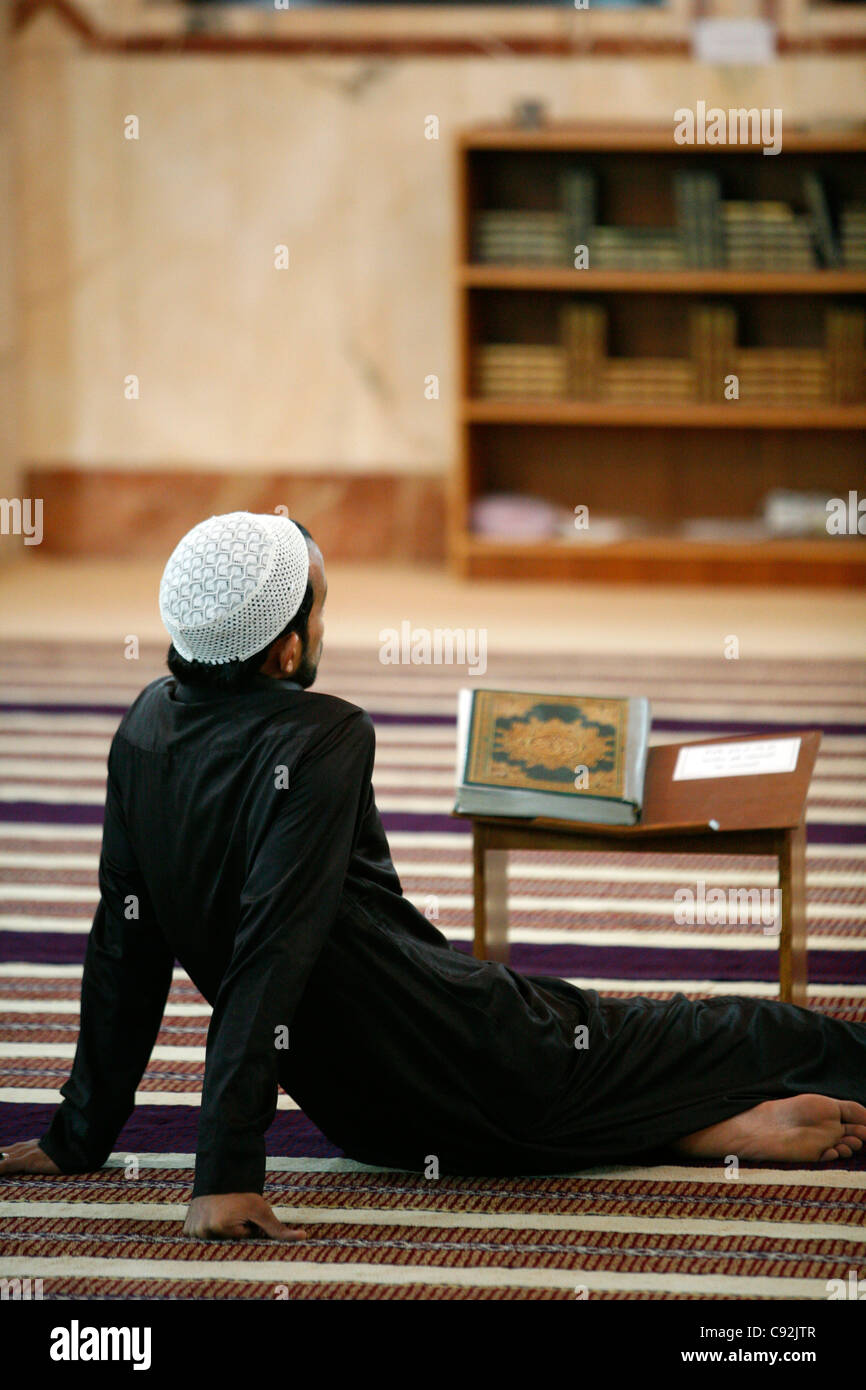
(232, 584)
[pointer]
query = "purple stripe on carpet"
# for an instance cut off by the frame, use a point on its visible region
(597, 962)
(711, 727)
(15, 708)
(826, 833)
(722, 727)
(47, 813)
(433, 720)
(671, 963)
(172, 1129)
(43, 948)
(818, 832)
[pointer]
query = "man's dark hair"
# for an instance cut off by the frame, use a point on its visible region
(235, 675)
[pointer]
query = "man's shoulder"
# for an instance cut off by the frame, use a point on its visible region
(323, 714)
(295, 725)
(138, 718)
(151, 693)
(313, 715)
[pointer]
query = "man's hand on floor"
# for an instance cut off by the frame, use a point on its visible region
(27, 1157)
(229, 1216)
(236, 1216)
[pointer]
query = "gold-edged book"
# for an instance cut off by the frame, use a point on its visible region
(566, 757)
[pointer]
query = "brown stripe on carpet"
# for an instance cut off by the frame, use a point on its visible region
(530, 1197)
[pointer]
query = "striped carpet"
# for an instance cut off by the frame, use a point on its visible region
(602, 921)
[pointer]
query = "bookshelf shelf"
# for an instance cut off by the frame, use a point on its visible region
(731, 415)
(495, 277)
(798, 424)
(633, 138)
(671, 560)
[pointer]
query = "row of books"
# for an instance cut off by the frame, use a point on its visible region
(835, 373)
(844, 333)
(853, 236)
(647, 380)
(515, 371)
(782, 376)
(712, 344)
(710, 231)
(533, 238)
(518, 369)
(697, 197)
(759, 235)
(635, 248)
(578, 367)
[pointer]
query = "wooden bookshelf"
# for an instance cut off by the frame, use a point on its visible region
(557, 412)
(506, 277)
(666, 463)
(667, 560)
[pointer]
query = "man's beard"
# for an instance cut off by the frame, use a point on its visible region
(307, 670)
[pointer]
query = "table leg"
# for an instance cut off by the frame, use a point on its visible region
(490, 886)
(793, 964)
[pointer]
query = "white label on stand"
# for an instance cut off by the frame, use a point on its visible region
(734, 41)
(737, 759)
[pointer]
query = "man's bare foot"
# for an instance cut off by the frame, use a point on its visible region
(805, 1129)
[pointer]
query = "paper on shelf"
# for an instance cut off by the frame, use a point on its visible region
(737, 759)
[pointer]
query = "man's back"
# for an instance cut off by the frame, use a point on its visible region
(230, 823)
(200, 780)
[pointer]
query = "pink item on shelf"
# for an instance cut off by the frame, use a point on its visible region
(516, 516)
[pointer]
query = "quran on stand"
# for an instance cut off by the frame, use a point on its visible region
(578, 758)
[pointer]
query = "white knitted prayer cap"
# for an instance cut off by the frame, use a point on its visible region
(232, 584)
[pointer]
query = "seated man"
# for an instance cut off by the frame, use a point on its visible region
(242, 838)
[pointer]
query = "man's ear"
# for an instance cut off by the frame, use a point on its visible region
(289, 653)
(283, 653)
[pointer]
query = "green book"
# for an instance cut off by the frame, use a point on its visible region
(822, 222)
(567, 757)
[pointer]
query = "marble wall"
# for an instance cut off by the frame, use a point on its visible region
(154, 258)
(9, 479)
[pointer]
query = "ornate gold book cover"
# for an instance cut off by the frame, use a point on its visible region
(533, 742)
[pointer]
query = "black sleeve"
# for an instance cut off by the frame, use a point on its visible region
(125, 983)
(288, 906)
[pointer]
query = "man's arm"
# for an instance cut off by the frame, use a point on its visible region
(126, 979)
(302, 849)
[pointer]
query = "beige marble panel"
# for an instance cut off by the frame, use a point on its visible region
(9, 481)
(44, 246)
(399, 314)
(291, 176)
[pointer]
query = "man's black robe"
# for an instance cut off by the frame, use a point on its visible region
(242, 837)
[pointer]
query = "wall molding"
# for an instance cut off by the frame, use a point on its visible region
(134, 514)
(571, 42)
